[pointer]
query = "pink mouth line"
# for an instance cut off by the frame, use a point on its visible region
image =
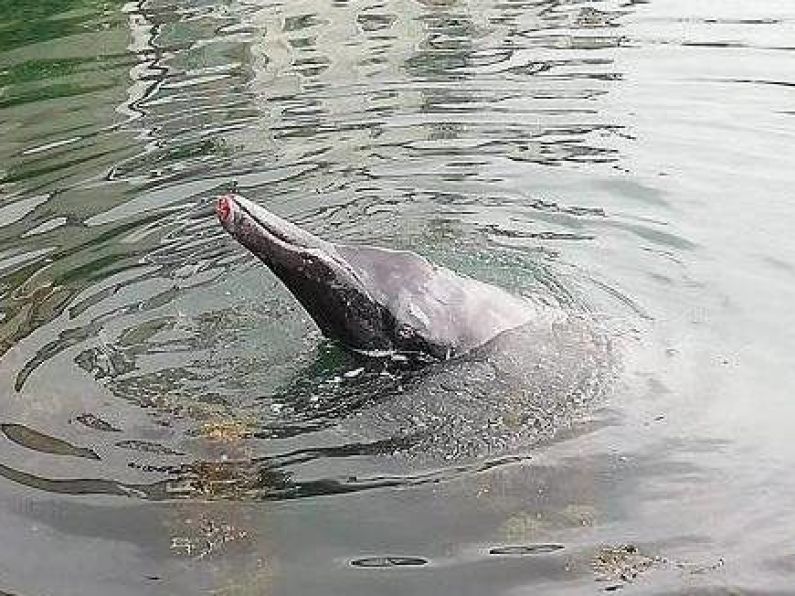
(224, 208)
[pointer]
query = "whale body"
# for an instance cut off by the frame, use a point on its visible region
(373, 300)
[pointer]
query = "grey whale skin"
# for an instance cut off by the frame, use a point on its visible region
(373, 300)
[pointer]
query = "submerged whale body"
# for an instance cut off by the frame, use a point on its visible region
(374, 300)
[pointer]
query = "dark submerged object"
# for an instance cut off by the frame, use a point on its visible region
(374, 300)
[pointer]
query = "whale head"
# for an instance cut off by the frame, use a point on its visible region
(352, 293)
(374, 300)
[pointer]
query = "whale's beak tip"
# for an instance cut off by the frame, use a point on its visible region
(223, 208)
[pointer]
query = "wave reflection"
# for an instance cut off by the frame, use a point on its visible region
(419, 125)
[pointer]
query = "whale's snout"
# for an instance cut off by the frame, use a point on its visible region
(223, 209)
(313, 269)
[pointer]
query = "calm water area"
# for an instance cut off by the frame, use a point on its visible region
(171, 421)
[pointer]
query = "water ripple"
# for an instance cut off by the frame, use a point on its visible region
(405, 125)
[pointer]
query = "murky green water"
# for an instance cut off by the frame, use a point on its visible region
(173, 423)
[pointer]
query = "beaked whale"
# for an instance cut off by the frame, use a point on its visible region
(377, 301)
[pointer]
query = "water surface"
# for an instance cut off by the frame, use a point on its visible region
(172, 422)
